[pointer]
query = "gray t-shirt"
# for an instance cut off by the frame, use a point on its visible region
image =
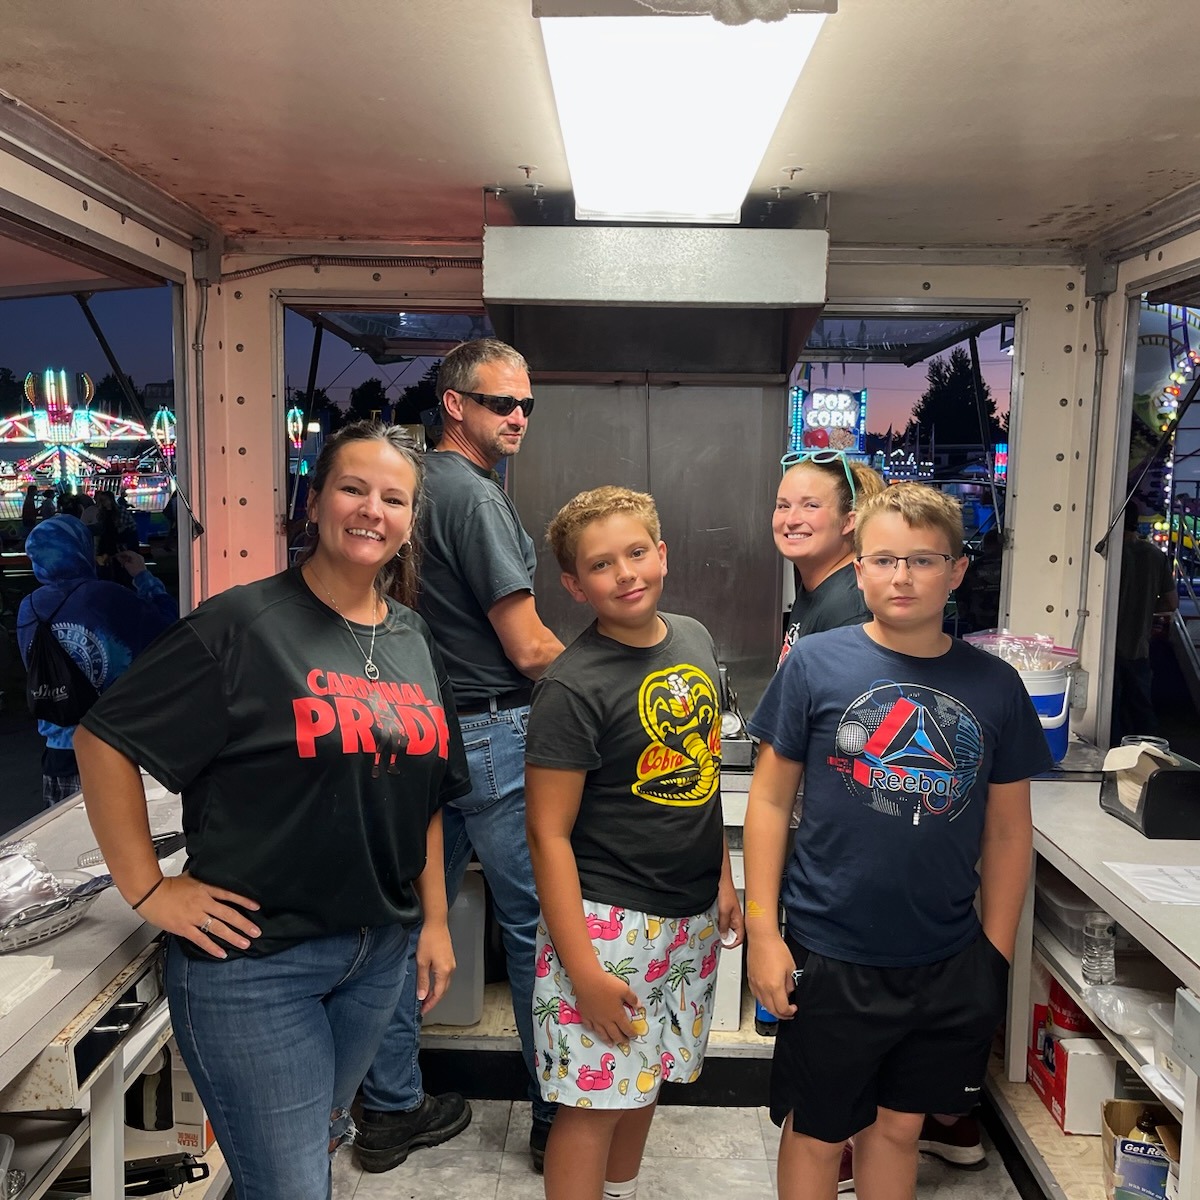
(475, 552)
(644, 723)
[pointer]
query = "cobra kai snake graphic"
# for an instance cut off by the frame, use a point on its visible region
(679, 711)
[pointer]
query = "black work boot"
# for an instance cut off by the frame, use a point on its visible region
(385, 1138)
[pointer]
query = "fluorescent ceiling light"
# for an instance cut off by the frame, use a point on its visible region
(668, 118)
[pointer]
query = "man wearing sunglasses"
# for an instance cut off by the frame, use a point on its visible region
(477, 595)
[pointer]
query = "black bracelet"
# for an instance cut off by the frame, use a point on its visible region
(150, 893)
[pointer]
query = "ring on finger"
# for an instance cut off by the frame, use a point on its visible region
(207, 925)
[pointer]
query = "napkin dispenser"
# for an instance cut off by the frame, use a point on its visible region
(1155, 791)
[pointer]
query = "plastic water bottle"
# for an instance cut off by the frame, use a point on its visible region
(1099, 948)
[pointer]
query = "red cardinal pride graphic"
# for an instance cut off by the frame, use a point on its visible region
(909, 751)
(375, 717)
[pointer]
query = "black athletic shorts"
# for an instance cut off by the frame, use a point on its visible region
(912, 1039)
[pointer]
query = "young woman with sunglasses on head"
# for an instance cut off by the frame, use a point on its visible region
(813, 526)
(307, 722)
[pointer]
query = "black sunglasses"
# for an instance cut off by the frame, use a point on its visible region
(501, 405)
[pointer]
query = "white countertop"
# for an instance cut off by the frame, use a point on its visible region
(1072, 832)
(88, 956)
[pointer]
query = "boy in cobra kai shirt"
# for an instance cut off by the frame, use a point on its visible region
(623, 811)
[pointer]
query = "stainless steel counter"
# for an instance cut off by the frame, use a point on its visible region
(46, 1058)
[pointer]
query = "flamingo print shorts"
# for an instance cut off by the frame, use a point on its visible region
(671, 964)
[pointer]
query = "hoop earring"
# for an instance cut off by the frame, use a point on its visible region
(310, 529)
(403, 551)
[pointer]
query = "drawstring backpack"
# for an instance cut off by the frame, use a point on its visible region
(57, 690)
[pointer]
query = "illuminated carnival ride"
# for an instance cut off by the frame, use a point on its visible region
(60, 443)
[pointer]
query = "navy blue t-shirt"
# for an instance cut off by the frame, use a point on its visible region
(898, 755)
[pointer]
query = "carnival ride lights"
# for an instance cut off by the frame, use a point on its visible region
(295, 427)
(1168, 410)
(1184, 372)
(71, 435)
(162, 429)
(903, 463)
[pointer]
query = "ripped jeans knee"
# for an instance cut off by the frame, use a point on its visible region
(342, 1129)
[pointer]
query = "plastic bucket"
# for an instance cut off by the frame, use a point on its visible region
(1051, 697)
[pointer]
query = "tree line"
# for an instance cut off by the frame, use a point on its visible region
(370, 399)
(947, 411)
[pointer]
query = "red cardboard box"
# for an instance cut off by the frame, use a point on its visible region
(1068, 1019)
(1073, 1076)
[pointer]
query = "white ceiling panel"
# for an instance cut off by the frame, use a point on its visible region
(929, 122)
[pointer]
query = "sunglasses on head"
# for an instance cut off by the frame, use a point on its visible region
(500, 405)
(794, 457)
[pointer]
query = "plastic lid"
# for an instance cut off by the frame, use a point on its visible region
(1060, 891)
(1163, 1015)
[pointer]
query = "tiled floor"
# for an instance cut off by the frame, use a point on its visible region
(723, 1153)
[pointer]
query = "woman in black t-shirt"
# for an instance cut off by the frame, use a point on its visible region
(307, 723)
(813, 526)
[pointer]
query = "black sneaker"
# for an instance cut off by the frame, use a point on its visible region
(538, 1135)
(385, 1138)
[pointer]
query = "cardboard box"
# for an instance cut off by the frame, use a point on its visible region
(1172, 1138)
(193, 1130)
(1133, 1170)
(1073, 1076)
(1066, 1017)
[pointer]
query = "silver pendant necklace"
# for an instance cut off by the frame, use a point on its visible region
(369, 668)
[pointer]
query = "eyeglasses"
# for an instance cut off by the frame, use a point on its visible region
(501, 405)
(880, 565)
(794, 457)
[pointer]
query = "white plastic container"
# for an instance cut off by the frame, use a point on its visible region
(1162, 1017)
(1062, 908)
(463, 1002)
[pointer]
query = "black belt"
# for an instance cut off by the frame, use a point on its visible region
(517, 698)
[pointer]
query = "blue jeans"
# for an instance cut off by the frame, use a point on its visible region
(276, 1047)
(490, 820)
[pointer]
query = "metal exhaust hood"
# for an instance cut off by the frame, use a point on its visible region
(662, 299)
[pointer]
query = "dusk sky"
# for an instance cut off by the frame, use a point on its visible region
(52, 332)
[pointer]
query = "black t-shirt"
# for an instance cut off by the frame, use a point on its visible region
(305, 786)
(475, 552)
(644, 722)
(1145, 576)
(834, 602)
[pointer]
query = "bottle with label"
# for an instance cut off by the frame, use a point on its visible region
(1146, 1129)
(1099, 948)
(765, 1022)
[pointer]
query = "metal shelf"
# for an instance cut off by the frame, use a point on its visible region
(1067, 969)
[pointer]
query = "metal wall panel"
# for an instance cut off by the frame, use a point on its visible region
(580, 436)
(710, 456)
(714, 471)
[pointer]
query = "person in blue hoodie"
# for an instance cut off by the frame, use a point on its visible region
(102, 625)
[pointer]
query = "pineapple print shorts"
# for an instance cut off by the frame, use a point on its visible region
(671, 965)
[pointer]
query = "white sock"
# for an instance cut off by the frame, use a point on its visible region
(621, 1191)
